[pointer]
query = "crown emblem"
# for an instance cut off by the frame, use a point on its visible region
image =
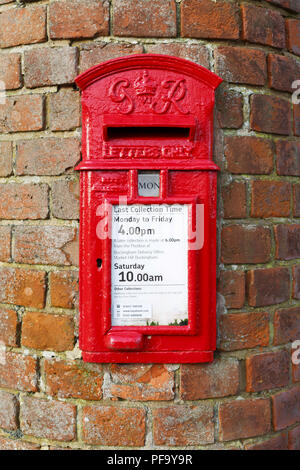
(144, 85)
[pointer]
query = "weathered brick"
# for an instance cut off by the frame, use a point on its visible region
(5, 242)
(229, 108)
(296, 282)
(268, 286)
(99, 426)
(8, 411)
(93, 54)
(296, 114)
(48, 419)
(288, 158)
(141, 382)
(287, 325)
(22, 113)
(9, 444)
(241, 65)
(47, 156)
(18, 372)
(74, 19)
(65, 199)
(23, 201)
(193, 52)
(183, 425)
(293, 35)
(201, 381)
(64, 289)
(296, 194)
(47, 331)
(245, 244)
(287, 241)
(208, 19)
(10, 70)
(73, 380)
(5, 158)
(296, 361)
(22, 287)
(286, 409)
(64, 110)
(289, 4)
(52, 66)
(232, 286)
(250, 155)
(275, 443)
(294, 439)
(234, 200)
(144, 18)
(270, 114)
(270, 199)
(244, 418)
(8, 327)
(267, 371)
(243, 331)
(23, 26)
(263, 26)
(282, 72)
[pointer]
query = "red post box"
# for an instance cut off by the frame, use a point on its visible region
(148, 211)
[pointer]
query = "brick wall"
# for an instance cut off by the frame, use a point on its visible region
(249, 397)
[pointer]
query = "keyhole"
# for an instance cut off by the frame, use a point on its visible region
(99, 263)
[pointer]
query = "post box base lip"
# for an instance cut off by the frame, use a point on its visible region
(165, 357)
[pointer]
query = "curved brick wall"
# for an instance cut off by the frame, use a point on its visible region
(250, 396)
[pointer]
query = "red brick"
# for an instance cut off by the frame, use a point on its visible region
(10, 70)
(294, 439)
(193, 52)
(208, 19)
(99, 426)
(8, 327)
(232, 286)
(52, 66)
(296, 113)
(288, 158)
(245, 244)
(74, 19)
(23, 26)
(64, 289)
(183, 425)
(65, 199)
(289, 4)
(270, 199)
(5, 242)
(73, 380)
(229, 108)
(287, 241)
(22, 287)
(48, 419)
(47, 331)
(47, 156)
(270, 114)
(293, 35)
(287, 325)
(141, 382)
(286, 408)
(144, 18)
(263, 26)
(267, 371)
(296, 282)
(22, 113)
(241, 65)
(244, 418)
(268, 286)
(275, 443)
(9, 444)
(23, 201)
(296, 194)
(8, 411)
(250, 155)
(201, 381)
(93, 54)
(243, 331)
(18, 372)
(5, 159)
(296, 361)
(234, 200)
(283, 71)
(64, 110)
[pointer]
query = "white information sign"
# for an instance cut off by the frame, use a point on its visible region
(149, 275)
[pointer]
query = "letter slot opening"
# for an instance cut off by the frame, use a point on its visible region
(148, 133)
